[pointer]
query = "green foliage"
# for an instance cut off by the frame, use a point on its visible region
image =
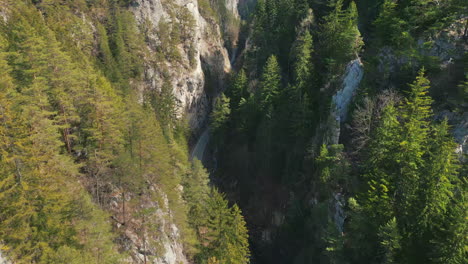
(270, 84)
(403, 175)
(390, 28)
(303, 68)
(72, 136)
(221, 230)
(390, 241)
(413, 181)
(274, 30)
(332, 166)
(238, 89)
(220, 114)
(38, 196)
(223, 234)
(164, 105)
(340, 37)
(415, 113)
(197, 190)
(400, 21)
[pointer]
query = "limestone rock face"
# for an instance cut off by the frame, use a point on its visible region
(342, 98)
(3, 259)
(351, 80)
(233, 6)
(200, 54)
(153, 235)
(186, 51)
(447, 45)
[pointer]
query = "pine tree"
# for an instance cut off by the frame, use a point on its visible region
(270, 83)
(450, 234)
(215, 224)
(164, 105)
(392, 30)
(196, 193)
(105, 56)
(440, 174)
(303, 67)
(380, 166)
(390, 240)
(102, 126)
(223, 236)
(415, 112)
(332, 167)
(440, 195)
(371, 227)
(236, 237)
(220, 115)
(238, 89)
(341, 39)
(15, 208)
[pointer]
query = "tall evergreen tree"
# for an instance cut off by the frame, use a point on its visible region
(415, 113)
(224, 235)
(270, 85)
(303, 67)
(238, 89)
(340, 36)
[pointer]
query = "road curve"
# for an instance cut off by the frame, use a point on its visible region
(199, 149)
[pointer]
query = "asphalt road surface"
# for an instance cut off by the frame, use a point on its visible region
(199, 149)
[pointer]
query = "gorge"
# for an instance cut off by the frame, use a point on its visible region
(233, 131)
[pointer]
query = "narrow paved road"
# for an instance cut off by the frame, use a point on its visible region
(199, 149)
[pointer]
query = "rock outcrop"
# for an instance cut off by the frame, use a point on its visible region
(342, 98)
(233, 7)
(447, 45)
(186, 50)
(351, 80)
(446, 48)
(201, 55)
(151, 234)
(3, 259)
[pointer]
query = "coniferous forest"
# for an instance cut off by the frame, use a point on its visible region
(234, 131)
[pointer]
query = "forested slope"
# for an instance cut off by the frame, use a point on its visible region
(332, 136)
(340, 132)
(94, 163)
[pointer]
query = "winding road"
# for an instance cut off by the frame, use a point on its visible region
(199, 149)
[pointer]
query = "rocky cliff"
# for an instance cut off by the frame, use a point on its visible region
(3, 260)
(196, 74)
(233, 7)
(194, 62)
(445, 50)
(150, 234)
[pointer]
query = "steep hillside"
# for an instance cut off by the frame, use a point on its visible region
(186, 50)
(331, 136)
(98, 100)
(328, 131)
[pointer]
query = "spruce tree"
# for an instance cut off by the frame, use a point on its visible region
(196, 193)
(270, 84)
(238, 89)
(237, 247)
(220, 115)
(340, 36)
(392, 30)
(413, 141)
(303, 67)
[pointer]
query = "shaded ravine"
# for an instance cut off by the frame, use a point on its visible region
(199, 149)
